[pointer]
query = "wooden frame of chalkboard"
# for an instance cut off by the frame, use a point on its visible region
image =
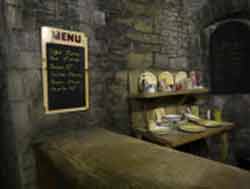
(65, 70)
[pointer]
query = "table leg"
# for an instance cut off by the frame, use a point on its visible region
(208, 146)
(224, 148)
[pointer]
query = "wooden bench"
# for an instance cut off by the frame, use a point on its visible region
(98, 158)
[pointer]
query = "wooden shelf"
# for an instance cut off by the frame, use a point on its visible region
(165, 94)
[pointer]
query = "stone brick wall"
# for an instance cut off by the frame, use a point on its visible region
(123, 35)
(165, 34)
(22, 106)
(194, 5)
(142, 35)
(8, 159)
(235, 108)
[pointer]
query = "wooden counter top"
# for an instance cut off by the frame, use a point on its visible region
(98, 158)
(177, 138)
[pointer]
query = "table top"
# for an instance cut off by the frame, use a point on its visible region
(177, 138)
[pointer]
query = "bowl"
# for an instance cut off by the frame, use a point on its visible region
(173, 117)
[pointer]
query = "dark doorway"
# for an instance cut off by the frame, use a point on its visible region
(229, 58)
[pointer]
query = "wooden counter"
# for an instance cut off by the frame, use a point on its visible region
(98, 158)
(176, 138)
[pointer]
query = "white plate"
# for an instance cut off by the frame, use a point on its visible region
(166, 79)
(180, 77)
(161, 130)
(147, 78)
(209, 123)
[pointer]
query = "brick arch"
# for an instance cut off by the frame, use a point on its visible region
(208, 19)
(214, 11)
(222, 80)
(206, 34)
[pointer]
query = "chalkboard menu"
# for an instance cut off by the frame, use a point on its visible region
(65, 70)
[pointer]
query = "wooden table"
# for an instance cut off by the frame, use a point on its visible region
(176, 138)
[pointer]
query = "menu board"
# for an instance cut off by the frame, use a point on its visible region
(65, 70)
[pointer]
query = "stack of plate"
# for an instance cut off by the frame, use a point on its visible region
(172, 117)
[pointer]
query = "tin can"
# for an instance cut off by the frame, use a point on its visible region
(217, 115)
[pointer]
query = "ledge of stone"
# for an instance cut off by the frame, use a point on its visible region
(98, 158)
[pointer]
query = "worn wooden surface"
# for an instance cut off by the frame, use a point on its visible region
(177, 138)
(168, 94)
(98, 158)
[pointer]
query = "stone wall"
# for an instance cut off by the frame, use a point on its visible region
(123, 35)
(8, 159)
(142, 35)
(194, 5)
(236, 107)
(22, 106)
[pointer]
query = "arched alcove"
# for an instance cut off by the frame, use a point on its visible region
(224, 28)
(229, 58)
